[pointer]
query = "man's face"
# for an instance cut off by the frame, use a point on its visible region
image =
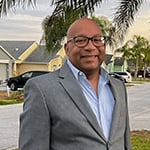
(87, 58)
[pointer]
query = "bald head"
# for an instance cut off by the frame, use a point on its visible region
(80, 26)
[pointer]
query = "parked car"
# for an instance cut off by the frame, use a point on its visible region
(117, 76)
(19, 81)
(141, 73)
(126, 75)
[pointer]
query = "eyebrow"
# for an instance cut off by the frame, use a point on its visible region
(86, 35)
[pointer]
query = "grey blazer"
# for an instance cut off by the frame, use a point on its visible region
(56, 116)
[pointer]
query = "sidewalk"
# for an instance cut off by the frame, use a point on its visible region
(140, 120)
(9, 124)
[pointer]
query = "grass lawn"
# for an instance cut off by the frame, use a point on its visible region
(14, 98)
(140, 140)
(140, 80)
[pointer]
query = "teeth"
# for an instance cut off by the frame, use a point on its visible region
(90, 56)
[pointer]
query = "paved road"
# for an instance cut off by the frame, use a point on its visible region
(139, 106)
(139, 110)
(9, 121)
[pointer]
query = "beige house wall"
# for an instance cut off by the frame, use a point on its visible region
(21, 68)
(55, 64)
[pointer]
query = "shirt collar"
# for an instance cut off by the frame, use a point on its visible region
(76, 72)
(73, 69)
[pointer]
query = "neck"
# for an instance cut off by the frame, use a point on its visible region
(93, 80)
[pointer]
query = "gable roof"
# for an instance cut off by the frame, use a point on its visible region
(16, 48)
(1, 48)
(40, 54)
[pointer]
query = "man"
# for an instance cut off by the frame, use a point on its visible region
(79, 106)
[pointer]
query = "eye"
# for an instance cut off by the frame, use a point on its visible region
(97, 39)
(80, 40)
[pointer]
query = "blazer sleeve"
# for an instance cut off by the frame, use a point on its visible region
(127, 130)
(34, 120)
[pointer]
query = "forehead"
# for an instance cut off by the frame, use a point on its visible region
(84, 27)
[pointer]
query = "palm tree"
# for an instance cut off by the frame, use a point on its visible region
(123, 17)
(136, 50)
(138, 46)
(127, 54)
(146, 55)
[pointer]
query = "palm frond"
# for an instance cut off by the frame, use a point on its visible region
(6, 5)
(124, 16)
(85, 6)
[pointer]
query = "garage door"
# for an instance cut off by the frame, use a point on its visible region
(3, 72)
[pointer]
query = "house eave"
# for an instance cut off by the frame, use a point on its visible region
(7, 53)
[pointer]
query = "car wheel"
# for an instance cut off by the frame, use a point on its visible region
(13, 86)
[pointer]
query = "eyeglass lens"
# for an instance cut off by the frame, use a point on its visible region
(83, 41)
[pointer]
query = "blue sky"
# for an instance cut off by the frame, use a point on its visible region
(26, 24)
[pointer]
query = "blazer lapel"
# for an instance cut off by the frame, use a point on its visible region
(68, 81)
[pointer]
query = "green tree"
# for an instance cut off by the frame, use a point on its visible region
(138, 44)
(108, 30)
(146, 55)
(126, 52)
(55, 31)
(136, 50)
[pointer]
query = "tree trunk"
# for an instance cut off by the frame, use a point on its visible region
(136, 66)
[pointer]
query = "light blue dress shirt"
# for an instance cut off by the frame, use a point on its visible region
(101, 104)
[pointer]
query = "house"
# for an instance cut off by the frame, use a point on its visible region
(41, 59)
(120, 64)
(13, 53)
(108, 63)
(17, 57)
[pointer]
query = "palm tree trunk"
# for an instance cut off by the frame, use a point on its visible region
(136, 66)
(144, 70)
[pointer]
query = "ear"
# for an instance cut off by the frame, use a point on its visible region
(104, 46)
(66, 48)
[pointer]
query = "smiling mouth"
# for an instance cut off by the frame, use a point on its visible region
(90, 56)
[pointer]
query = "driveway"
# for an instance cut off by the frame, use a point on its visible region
(139, 111)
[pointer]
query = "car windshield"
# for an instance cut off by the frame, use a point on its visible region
(27, 75)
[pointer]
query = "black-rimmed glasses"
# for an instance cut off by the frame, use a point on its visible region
(82, 41)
